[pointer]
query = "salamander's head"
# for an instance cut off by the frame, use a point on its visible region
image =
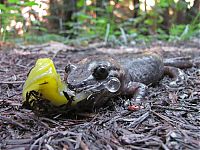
(95, 79)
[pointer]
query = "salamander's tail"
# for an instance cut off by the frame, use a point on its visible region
(179, 62)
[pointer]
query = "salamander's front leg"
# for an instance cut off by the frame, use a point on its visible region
(137, 91)
(177, 74)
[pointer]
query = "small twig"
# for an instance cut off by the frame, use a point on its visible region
(4, 109)
(171, 108)
(168, 120)
(1, 70)
(164, 146)
(137, 147)
(49, 147)
(191, 107)
(22, 66)
(139, 120)
(12, 82)
(18, 141)
(50, 120)
(39, 140)
(9, 120)
(78, 141)
(105, 139)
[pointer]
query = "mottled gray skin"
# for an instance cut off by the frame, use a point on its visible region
(146, 68)
(133, 73)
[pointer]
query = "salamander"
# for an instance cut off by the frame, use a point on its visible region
(96, 79)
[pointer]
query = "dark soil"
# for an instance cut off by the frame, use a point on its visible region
(170, 119)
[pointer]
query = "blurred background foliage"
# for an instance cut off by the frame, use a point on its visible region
(121, 22)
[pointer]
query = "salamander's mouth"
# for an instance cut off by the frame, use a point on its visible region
(85, 93)
(90, 91)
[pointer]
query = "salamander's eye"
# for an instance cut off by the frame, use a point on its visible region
(100, 73)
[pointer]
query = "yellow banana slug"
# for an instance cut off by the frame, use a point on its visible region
(44, 82)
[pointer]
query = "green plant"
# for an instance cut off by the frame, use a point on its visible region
(184, 32)
(88, 25)
(9, 11)
(100, 22)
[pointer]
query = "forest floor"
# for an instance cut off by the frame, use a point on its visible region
(170, 120)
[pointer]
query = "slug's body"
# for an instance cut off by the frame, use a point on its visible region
(98, 78)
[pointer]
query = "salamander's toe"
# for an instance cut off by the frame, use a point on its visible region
(135, 107)
(133, 104)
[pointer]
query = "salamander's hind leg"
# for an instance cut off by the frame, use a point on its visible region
(177, 74)
(137, 91)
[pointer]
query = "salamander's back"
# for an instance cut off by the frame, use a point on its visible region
(145, 68)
